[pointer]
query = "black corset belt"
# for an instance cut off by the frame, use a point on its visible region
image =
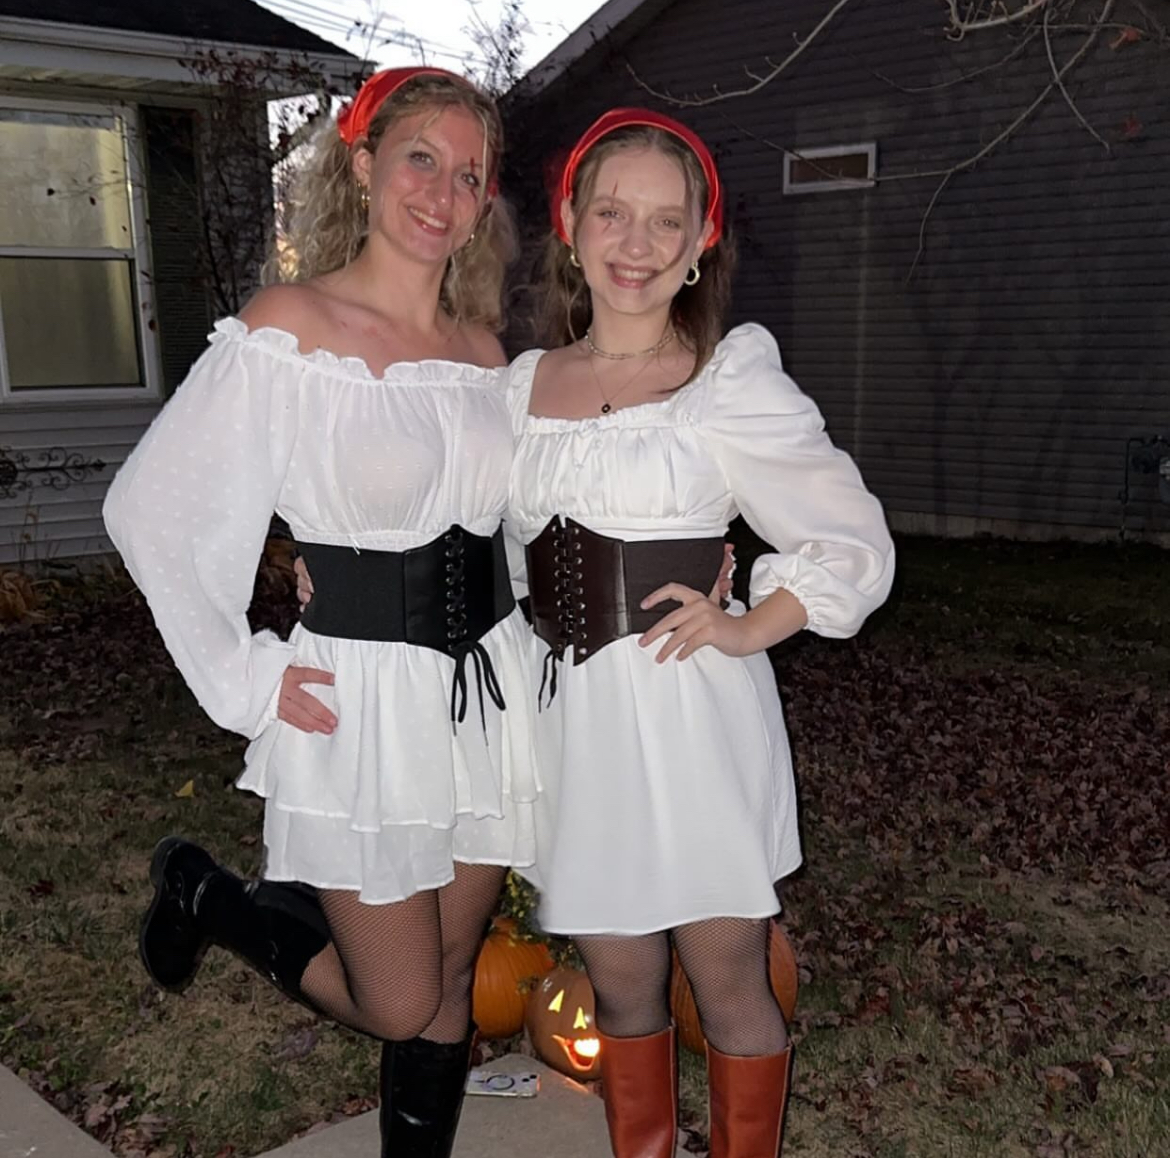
(587, 589)
(445, 595)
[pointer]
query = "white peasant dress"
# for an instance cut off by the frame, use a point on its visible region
(667, 790)
(396, 794)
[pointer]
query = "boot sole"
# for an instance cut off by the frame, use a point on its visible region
(158, 861)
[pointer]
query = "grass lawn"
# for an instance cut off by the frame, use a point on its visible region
(981, 922)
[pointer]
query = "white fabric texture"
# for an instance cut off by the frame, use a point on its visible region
(667, 790)
(386, 803)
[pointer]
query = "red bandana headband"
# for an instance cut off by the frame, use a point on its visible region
(623, 118)
(353, 121)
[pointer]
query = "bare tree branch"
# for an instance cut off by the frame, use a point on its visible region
(962, 78)
(1007, 133)
(1162, 28)
(1059, 80)
(759, 81)
(960, 26)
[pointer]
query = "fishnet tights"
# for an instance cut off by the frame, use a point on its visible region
(405, 970)
(726, 961)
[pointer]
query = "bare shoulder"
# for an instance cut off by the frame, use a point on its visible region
(294, 308)
(485, 347)
(556, 362)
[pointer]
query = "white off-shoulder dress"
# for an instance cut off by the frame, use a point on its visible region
(667, 790)
(396, 794)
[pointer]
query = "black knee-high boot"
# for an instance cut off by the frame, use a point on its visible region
(422, 1087)
(276, 928)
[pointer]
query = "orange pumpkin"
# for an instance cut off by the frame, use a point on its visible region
(505, 967)
(781, 972)
(560, 1024)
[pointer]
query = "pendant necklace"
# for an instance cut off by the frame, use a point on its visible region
(608, 400)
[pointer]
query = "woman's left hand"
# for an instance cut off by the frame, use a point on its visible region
(697, 623)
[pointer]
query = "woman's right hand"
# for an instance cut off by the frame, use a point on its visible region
(297, 707)
(304, 583)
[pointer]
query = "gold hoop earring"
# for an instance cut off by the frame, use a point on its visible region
(693, 275)
(364, 194)
(573, 259)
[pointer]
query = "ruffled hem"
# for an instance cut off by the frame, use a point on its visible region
(395, 759)
(396, 862)
(286, 346)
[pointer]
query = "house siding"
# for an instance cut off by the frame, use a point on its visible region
(44, 522)
(995, 388)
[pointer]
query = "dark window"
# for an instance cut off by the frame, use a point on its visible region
(823, 170)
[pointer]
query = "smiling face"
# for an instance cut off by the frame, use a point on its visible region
(426, 181)
(637, 230)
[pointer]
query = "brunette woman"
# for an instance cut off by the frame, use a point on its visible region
(362, 401)
(667, 809)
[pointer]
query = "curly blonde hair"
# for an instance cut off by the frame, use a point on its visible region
(327, 224)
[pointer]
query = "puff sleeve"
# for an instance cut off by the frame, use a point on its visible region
(517, 381)
(189, 511)
(795, 489)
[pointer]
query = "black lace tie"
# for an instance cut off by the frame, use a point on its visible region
(548, 676)
(485, 677)
(459, 646)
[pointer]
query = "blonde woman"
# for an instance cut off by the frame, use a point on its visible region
(390, 735)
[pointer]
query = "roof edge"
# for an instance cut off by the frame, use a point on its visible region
(594, 30)
(339, 67)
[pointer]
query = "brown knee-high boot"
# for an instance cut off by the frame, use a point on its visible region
(640, 1079)
(747, 1099)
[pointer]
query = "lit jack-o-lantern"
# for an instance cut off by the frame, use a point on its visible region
(506, 967)
(560, 1024)
(781, 972)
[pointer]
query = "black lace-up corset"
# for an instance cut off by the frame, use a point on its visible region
(445, 595)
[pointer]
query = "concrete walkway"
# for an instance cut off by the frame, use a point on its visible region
(31, 1128)
(563, 1121)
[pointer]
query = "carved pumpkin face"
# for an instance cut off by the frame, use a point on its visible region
(560, 1024)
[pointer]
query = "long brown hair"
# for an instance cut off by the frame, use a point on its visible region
(328, 224)
(697, 312)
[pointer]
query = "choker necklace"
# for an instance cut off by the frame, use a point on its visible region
(668, 333)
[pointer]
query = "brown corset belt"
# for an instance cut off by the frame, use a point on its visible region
(586, 589)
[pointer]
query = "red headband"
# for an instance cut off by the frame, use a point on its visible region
(620, 119)
(353, 121)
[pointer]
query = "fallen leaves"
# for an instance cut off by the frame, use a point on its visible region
(1050, 778)
(971, 1081)
(937, 798)
(298, 1044)
(1073, 1085)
